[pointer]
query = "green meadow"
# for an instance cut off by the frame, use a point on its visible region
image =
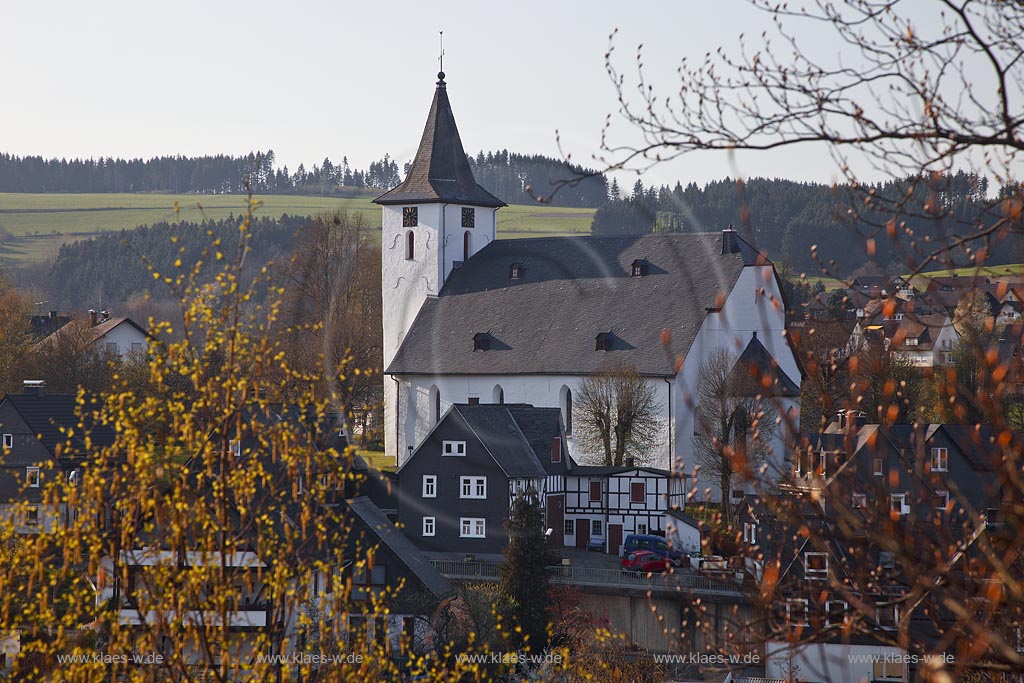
(35, 225)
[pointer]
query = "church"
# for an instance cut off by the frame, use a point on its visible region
(471, 319)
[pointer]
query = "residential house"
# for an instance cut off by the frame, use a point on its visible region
(456, 490)
(604, 504)
(115, 335)
(927, 341)
(44, 440)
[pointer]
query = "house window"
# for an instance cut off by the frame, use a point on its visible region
(910, 341)
(796, 612)
(472, 527)
(570, 527)
(473, 487)
(595, 491)
(410, 217)
(467, 241)
(822, 458)
(556, 449)
(596, 528)
(750, 532)
(877, 465)
(111, 347)
(940, 460)
(637, 492)
(8, 440)
(898, 503)
(887, 616)
(430, 486)
(641, 529)
(410, 246)
(32, 515)
(816, 566)
(428, 526)
(32, 477)
(453, 448)
(515, 271)
(639, 268)
(860, 500)
(942, 500)
(887, 670)
(235, 448)
(468, 217)
(835, 612)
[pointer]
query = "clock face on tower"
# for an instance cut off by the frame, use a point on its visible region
(410, 217)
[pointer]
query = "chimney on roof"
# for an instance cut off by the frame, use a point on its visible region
(104, 316)
(730, 241)
(92, 317)
(629, 462)
(34, 387)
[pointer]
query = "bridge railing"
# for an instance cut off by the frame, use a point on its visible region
(593, 576)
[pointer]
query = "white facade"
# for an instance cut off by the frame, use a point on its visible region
(834, 662)
(753, 305)
(125, 339)
(682, 535)
(438, 243)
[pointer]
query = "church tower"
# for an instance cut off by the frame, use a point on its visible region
(431, 223)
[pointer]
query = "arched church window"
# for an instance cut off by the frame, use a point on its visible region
(499, 394)
(436, 407)
(410, 245)
(567, 408)
(466, 238)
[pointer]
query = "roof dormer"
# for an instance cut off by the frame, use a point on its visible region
(639, 268)
(515, 271)
(481, 341)
(604, 341)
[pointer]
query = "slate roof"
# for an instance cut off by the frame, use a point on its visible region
(759, 366)
(45, 415)
(408, 554)
(94, 332)
(498, 431)
(614, 470)
(440, 171)
(569, 290)
(540, 426)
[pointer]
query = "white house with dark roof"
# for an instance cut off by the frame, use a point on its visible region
(468, 318)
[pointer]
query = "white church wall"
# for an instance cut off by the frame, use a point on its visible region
(755, 304)
(542, 391)
(480, 235)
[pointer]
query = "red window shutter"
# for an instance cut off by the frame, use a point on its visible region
(637, 492)
(556, 450)
(595, 490)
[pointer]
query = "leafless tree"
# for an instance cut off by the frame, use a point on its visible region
(734, 424)
(618, 416)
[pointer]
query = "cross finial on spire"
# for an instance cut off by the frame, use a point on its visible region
(440, 59)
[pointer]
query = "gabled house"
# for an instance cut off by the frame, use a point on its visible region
(43, 441)
(118, 336)
(456, 489)
(927, 341)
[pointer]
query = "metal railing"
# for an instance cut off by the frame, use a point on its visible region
(677, 581)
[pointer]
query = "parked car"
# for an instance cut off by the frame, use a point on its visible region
(654, 544)
(644, 561)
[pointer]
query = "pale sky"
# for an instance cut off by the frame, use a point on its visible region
(312, 78)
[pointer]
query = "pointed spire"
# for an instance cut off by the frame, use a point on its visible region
(440, 171)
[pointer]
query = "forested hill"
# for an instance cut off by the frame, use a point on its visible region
(112, 268)
(786, 219)
(505, 174)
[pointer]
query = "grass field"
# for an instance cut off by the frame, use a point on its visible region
(40, 223)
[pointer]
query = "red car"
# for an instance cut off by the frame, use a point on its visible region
(644, 561)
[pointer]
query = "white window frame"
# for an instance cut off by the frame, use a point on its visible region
(235, 448)
(878, 466)
(569, 527)
(597, 528)
(789, 611)
(815, 574)
(473, 487)
(30, 512)
(750, 532)
(942, 494)
(32, 477)
(472, 527)
(429, 526)
(453, 449)
(828, 619)
(902, 498)
(430, 486)
(940, 459)
(8, 440)
(895, 617)
(860, 500)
